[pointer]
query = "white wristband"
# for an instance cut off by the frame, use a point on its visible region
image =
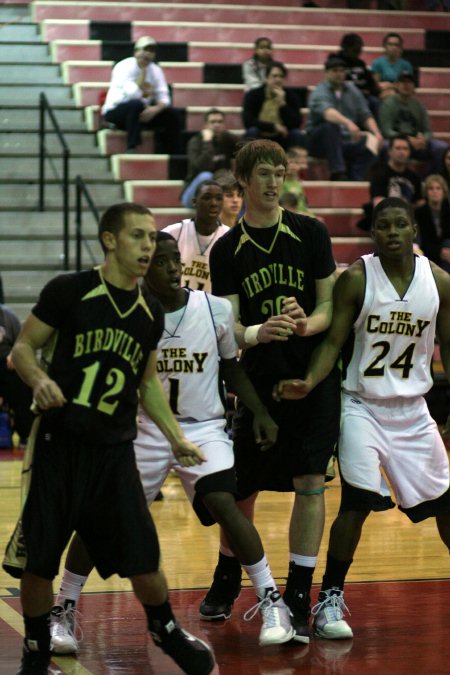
(251, 335)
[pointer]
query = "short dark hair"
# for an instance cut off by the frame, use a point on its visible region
(262, 39)
(350, 40)
(164, 236)
(255, 152)
(288, 200)
(392, 203)
(398, 137)
(213, 111)
(228, 181)
(113, 219)
(201, 185)
(392, 35)
(279, 65)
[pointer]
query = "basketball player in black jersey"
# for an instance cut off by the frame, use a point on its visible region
(98, 337)
(278, 271)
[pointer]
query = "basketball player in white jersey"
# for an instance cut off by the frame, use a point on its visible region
(198, 333)
(392, 304)
(196, 236)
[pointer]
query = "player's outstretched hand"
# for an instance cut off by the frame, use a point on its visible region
(265, 429)
(290, 389)
(188, 454)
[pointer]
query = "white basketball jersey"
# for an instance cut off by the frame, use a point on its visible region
(394, 337)
(188, 355)
(194, 249)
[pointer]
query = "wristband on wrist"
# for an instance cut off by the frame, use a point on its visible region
(251, 335)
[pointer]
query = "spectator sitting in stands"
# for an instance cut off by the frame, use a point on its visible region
(396, 179)
(445, 167)
(15, 392)
(393, 179)
(272, 111)
(338, 112)
(433, 221)
(357, 71)
(138, 97)
(233, 197)
(254, 70)
(403, 113)
(208, 151)
(292, 183)
(387, 68)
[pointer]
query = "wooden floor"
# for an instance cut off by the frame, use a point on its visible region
(398, 594)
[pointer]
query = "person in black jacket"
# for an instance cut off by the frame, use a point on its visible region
(433, 221)
(272, 111)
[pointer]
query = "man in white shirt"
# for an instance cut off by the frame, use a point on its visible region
(138, 97)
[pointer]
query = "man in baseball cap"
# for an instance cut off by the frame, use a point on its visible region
(338, 115)
(138, 97)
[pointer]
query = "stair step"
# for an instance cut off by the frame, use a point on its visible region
(27, 168)
(25, 196)
(15, 253)
(34, 53)
(20, 95)
(16, 74)
(28, 143)
(123, 11)
(347, 250)
(20, 32)
(46, 221)
(14, 119)
(156, 193)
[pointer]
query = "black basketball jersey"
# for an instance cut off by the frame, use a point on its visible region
(263, 266)
(98, 352)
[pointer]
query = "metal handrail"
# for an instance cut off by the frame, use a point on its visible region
(45, 107)
(81, 191)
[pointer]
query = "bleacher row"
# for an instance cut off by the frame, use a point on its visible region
(201, 48)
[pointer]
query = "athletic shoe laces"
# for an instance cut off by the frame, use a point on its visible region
(334, 606)
(266, 606)
(66, 622)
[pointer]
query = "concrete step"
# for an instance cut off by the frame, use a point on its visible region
(348, 249)
(34, 53)
(300, 75)
(27, 167)
(22, 31)
(340, 222)
(15, 255)
(195, 119)
(17, 94)
(160, 193)
(71, 49)
(124, 11)
(172, 31)
(27, 143)
(24, 196)
(25, 74)
(15, 118)
(46, 224)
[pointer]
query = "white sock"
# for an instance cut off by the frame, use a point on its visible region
(260, 576)
(71, 587)
(303, 560)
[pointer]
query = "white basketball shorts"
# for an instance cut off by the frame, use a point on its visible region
(398, 435)
(155, 458)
